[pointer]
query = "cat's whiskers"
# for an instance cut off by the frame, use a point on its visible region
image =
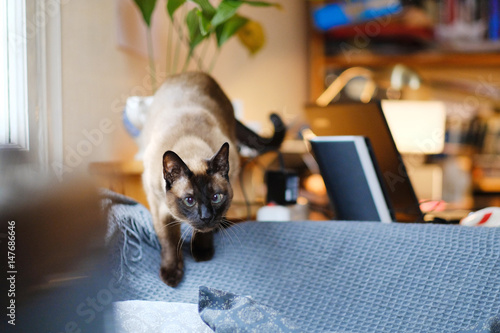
(230, 224)
(236, 223)
(171, 224)
(181, 240)
(221, 228)
(179, 245)
(192, 239)
(224, 230)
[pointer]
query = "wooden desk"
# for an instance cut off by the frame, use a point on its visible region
(121, 177)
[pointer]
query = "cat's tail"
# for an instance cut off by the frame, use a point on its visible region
(261, 145)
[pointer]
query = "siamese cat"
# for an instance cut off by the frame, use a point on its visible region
(191, 162)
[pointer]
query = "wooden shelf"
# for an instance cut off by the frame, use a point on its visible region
(124, 177)
(132, 168)
(427, 59)
(319, 62)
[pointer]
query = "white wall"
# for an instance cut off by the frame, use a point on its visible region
(98, 76)
(274, 79)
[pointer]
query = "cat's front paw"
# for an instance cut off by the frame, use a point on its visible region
(171, 275)
(203, 253)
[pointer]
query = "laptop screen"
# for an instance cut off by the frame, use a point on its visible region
(352, 178)
(368, 120)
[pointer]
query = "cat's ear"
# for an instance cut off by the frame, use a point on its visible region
(219, 163)
(174, 168)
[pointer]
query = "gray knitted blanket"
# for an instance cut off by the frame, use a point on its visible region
(327, 276)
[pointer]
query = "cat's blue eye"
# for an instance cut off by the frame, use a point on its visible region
(217, 198)
(189, 201)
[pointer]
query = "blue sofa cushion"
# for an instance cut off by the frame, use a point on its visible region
(328, 276)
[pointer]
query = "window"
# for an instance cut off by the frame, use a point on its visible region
(31, 82)
(14, 128)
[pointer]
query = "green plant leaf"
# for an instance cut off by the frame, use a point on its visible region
(206, 7)
(205, 26)
(226, 30)
(193, 24)
(146, 7)
(262, 4)
(172, 6)
(226, 10)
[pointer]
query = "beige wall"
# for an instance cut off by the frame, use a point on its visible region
(98, 76)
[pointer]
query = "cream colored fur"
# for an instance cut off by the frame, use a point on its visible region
(190, 123)
(192, 117)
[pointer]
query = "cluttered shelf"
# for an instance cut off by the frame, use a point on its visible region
(383, 33)
(424, 58)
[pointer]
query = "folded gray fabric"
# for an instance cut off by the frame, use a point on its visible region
(225, 312)
(491, 325)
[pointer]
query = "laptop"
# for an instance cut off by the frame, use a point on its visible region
(352, 178)
(367, 121)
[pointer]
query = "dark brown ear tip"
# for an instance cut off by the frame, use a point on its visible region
(170, 155)
(225, 147)
(165, 154)
(168, 152)
(174, 167)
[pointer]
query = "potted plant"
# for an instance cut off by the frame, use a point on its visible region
(197, 22)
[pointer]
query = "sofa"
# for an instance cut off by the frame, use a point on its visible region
(328, 276)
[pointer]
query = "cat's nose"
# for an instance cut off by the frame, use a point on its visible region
(205, 214)
(206, 219)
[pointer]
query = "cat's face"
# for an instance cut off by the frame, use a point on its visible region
(200, 199)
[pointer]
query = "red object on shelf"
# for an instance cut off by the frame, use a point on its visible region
(378, 30)
(449, 11)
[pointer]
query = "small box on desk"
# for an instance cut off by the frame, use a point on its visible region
(282, 187)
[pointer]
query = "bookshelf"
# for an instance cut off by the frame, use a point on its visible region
(428, 59)
(475, 60)
(437, 57)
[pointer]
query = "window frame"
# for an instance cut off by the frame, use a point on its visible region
(43, 109)
(15, 126)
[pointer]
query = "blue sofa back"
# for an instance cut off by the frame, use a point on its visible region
(327, 276)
